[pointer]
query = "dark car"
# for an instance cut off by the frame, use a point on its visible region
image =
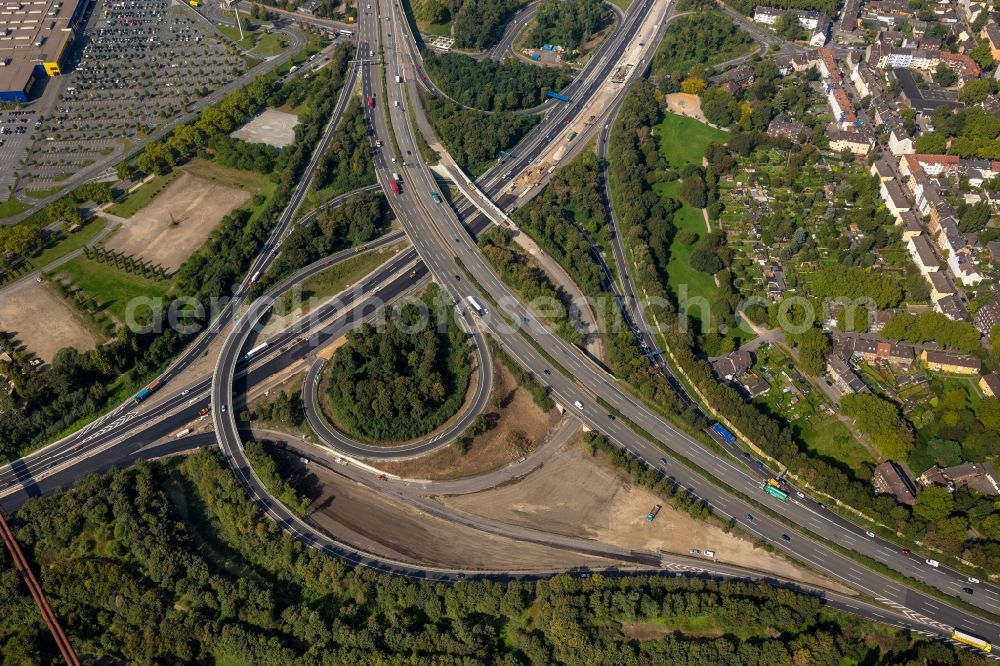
(905, 551)
(786, 537)
(967, 590)
(749, 516)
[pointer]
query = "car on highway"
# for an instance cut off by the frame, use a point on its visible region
(749, 516)
(78, 447)
(970, 579)
(578, 404)
(663, 461)
(799, 494)
(967, 590)
(223, 409)
(785, 537)
(905, 551)
(870, 535)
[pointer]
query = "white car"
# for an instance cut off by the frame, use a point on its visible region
(870, 535)
(578, 404)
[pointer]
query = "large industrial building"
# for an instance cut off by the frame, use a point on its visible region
(35, 36)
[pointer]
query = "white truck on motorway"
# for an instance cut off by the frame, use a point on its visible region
(480, 310)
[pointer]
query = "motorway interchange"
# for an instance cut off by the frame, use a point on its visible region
(802, 528)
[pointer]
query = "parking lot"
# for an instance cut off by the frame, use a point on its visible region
(142, 63)
(16, 129)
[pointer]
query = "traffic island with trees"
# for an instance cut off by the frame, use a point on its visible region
(475, 138)
(487, 85)
(402, 379)
(170, 562)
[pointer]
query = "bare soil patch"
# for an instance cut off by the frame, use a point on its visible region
(273, 127)
(42, 321)
(645, 631)
(575, 494)
(513, 409)
(370, 521)
(685, 104)
(178, 221)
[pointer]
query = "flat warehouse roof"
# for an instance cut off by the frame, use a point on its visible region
(32, 32)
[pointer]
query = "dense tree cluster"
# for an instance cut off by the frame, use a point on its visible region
(403, 381)
(972, 132)
(284, 410)
(356, 221)
(568, 23)
(489, 85)
(478, 24)
(880, 420)
(530, 282)
(475, 138)
(170, 563)
(855, 283)
(699, 39)
(237, 154)
(266, 467)
(347, 163)
(933, 327)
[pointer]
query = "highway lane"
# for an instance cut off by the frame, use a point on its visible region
(440, 238)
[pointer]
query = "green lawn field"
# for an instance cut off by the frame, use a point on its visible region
(683, 140)
(112, 287)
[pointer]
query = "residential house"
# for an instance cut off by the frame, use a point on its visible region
(767, 15)
(754, 386)
(950, 362)
(900, 142)
(923, 254)
(986, 317)
(977, 476)
(890, 479)
(941, 285)
(843, 375)
(911, 224)
(990, 385)
(792, 131)
(732, 365)
(858, 142)
(992, 34)
(951, 307)
(894, 198)
(882, 169)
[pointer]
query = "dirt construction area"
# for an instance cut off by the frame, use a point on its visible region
(575, 495)
(495, 448)
(42, 321)
(370, 521)
(684, 104)
(177, 222)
